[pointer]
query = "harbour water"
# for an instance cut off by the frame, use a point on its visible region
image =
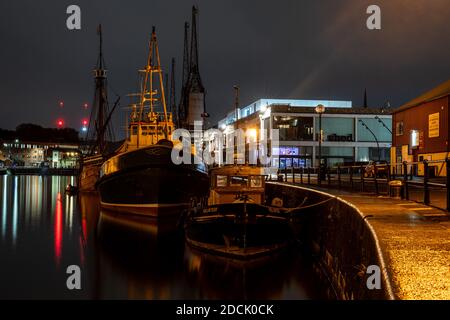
(43, 231)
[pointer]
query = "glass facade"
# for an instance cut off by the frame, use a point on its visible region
(365, 154)
(296, 157)
(293, 128)
(337, 129)
(381, 133)
(332, 156)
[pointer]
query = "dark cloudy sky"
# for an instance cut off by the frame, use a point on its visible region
(275, 49)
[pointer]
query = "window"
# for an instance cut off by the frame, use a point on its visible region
(256, 182)
(294, 128)
(238, 182)
(221, 181)
(399, 128)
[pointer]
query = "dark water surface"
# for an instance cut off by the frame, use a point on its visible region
(43, 231)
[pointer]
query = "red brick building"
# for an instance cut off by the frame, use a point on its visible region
(421, 129)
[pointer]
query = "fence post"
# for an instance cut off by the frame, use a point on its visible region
(375, 176)
(388, 177)
(394, 170)
(447, 167)
(329, 175)
(309, 175)
(405, 180)
(301, 175)
(293, 174)
(426, 190)
(285, 174)
(351, 177)
(339, 176)
(362, 177)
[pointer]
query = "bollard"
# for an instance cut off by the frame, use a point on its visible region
(309, 175)
(339, 176)
(447, 167)
(426, 190)
(405, 180)
(285, 174)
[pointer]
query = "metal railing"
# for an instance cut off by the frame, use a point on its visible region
(423, 181)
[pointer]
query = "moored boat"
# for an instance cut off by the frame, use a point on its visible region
(99, 132)
(141, 177)
(236, 224)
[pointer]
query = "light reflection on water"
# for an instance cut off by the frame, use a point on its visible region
(43, 231)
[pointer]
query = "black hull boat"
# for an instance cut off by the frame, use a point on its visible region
(241, 231)
(146, 182)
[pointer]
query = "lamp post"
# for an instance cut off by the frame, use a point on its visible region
(320, 109)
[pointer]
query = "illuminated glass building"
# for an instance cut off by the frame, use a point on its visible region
(349, 134)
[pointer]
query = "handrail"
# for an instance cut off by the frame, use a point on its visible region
(367, 176)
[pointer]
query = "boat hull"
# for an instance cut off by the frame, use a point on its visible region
(232, 235)
(147, 183)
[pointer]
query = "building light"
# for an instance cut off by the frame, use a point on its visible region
(251, 133)
(414, 138)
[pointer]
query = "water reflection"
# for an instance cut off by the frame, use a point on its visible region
(15, 210)
(44, 231)
(5, 205)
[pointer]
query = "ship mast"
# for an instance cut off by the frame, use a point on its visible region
(100, 108)
(148, 94)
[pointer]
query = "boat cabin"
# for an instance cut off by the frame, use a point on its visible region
(150, 130)
(232, 183)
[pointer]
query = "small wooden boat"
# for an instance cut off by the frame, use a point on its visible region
(235, 223)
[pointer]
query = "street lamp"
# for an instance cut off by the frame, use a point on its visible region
(374, 136)
(320, 109)
(383, 124)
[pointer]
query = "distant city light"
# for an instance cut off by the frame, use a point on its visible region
(61, 104)
(84, 122)
(84, 129)
(85, 105)
(60, 123)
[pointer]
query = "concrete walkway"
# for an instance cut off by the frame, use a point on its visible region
(415, 242)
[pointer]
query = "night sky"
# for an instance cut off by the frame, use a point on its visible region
(273, 49)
